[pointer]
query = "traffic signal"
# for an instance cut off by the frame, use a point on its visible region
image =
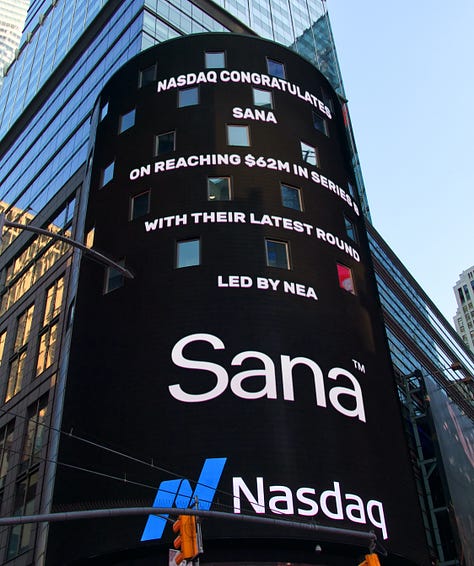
(370, 560)
(186, 541)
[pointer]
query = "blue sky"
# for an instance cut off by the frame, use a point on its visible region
(408, 74)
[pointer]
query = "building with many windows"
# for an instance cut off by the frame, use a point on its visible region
(68, 53)
(12, 18)
(464, 318)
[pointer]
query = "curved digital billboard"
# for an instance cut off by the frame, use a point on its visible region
(245, 365)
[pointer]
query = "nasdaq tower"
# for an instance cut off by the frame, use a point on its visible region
(271, 356)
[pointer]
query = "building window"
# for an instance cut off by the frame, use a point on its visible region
(351, 230)
(262, 98)
(309, 154)
(17, 363)
(320, 124)
(3, 339)
(466, 292)
(188, 253)
(165, 143)
(215, 59)
(218, 188)
(188, 97)
(238, 135)
(49, 330)
(350, 188)
(291, 197)
(114, 278)
(15, 375)
(54, 299)
(139, 205)
(127, 121)
(277, 253)
(21, 536)
(276, 68)
(346, 281)
(35, 434)
(22, 273)
(147, 76)
(6, 442)
(107, 174)
(104, 110)
(47, 348)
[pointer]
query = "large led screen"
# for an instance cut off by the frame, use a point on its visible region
(245, 366)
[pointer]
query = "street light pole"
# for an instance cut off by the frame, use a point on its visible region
(89, 251)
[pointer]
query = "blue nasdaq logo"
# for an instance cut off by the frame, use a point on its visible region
(178, 493)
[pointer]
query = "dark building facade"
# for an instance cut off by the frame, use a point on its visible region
(70, 49)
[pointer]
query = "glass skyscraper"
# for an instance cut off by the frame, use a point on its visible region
(12, 19)
(69, 50)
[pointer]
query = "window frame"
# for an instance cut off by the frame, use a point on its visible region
(27, 507)
(36, 421)
(157, 151)
(177, 253)
(229, 188)
(104, 179)
(240, 127)
(286, 246)
(131, 215)
(352, 289)
(142, 73)
(280, 64)
(316, 154)
(7, 432)
(299, 193)
(320, 123)
(263, 106)
(182, 91)
(224, 55)
(109, 275)
(123, 117)
(350, 226)
(17, 366)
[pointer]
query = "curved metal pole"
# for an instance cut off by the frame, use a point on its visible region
(97, 255)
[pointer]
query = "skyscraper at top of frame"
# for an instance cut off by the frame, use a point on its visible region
(69, 51)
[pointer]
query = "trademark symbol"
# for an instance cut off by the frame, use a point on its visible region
(360, 367)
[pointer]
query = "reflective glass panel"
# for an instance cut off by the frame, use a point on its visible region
(218, 188)
(277, 254)
(309, 154)
(165, 143)
(188, 97)
(188, 253)
(238, 135)
(262, 98)
(215, 60)
(291, 197)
